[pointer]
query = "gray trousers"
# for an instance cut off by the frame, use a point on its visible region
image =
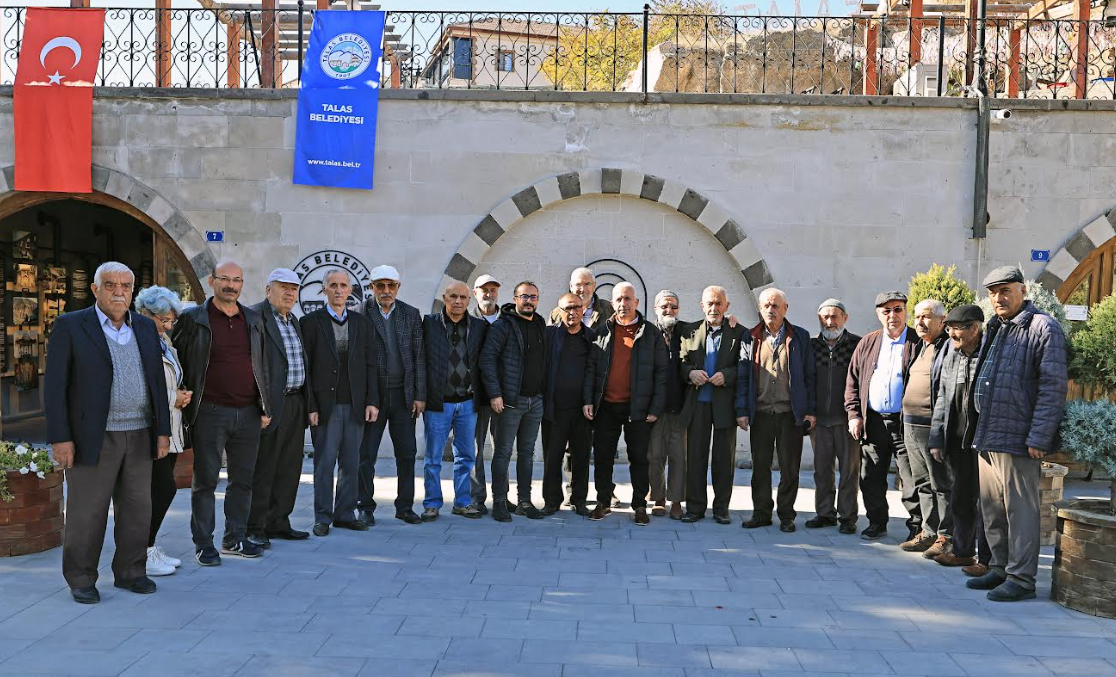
(336, 444)
(931, 482)
(836, 450)
(1009, 501)
(518, 427)
(486, 422)
(667, 447)
(908, 485)
(122, 475)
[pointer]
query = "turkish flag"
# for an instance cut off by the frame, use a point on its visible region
(53, 99)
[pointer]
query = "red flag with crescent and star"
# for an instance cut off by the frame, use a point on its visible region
(53, 99)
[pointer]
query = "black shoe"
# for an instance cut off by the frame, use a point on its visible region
(246, 549)
(290, 535)
(821, 522)
(1009, 591)
(481, 508)
(787, 526)
(845, 528)
(989, 581)
(321, 529)
(368, 517)
(874, 531)
(580, 509)
(755, 522)
(260, 540)
(141, 586)
(208, 556)
(354, 525)
(722, 519)
(500, 511)
(408, 516)
(87, 595)
(691, 517)
(548, 510)
(526, 509)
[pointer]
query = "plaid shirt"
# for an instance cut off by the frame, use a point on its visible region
(296, 368)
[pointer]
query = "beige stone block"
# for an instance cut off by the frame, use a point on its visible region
(590, 181)
(506, 214)
(150, 130)
(1062, 264)
(160, 210)
(1100, 231)
(119, 185)
(631, 183)
(155, 161)
(255, 132)
(548, 191)
(197, 131)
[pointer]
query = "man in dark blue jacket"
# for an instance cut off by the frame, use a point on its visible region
(107, 419)
(1019, 396)
(781, 408)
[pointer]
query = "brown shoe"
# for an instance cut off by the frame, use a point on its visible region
(641, 518)
(975, 570)
(920, 543)
(941, 546)
(659, 510)
(676, 510)
(948, 559)
(600, 511)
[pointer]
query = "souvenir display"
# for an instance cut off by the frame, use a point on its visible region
(25, 246)
(25, 310)
(27, 360)
(54, 280)
(52, 308)
(81, 285)
(26, 277)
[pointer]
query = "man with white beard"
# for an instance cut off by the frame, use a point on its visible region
(668, 435)
(832, 443)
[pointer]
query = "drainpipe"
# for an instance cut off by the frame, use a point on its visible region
(984, 120)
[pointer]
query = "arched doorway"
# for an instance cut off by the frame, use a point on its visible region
(1093, 280)
(51, 245)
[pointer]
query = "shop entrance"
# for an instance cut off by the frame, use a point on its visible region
(51, 246)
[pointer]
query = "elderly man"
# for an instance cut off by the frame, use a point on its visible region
(108, 419)
(709, 364)
(834, 448)
(668, 435)
(929, 478)
(874, 401)
(779, 406)
(486, 291)
(453, 341)
(513, 366)
(279, 461)
(565, 427)
(344, 397)
(628, 388)
(595, 311)
(1019, 396)
(401, 358)
(951, 438)
(224, 362)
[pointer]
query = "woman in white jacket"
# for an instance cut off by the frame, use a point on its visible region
(163, 306)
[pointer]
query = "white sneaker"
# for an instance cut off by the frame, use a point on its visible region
(167, 559)
(157, 567)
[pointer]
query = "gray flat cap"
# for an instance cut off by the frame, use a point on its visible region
(1003, 275)
(887, 296)
(832, 303)
(666, 293)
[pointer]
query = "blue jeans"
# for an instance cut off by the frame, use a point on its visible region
(461, 417)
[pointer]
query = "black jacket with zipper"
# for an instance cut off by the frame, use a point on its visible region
(438, 349)
(649, 369)
(501, 358)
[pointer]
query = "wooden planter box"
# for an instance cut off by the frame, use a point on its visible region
(1085, 558)
(1053, 476)
(184, 470)
(32, 521)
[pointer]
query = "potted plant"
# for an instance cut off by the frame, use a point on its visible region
(30, 500)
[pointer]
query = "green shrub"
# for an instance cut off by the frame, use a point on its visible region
(1093, 354)
(939, 284)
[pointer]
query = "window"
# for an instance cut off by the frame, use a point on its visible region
(463, 58)
(507, 62)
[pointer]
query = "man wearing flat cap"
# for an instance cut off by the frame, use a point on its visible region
(951, 438)
(279, 460)
(834, 447)
(874, 403)
(1019, 397)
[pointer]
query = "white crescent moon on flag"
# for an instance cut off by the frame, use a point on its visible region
(62, 41)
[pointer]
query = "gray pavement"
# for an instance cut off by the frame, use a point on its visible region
(560, 596)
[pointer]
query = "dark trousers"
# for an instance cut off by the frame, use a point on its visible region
(775, 435)
(236, 431)
(278, 469)
(163, 490)
(122, 475)
(911, 483)
(931, 482)
(968, 523)
(337, 445)
(397, 418)
(486, 423)
(884, 435)
(835, 449)
(569, 432)
(517, 427)
(700, 435)
(613, 418)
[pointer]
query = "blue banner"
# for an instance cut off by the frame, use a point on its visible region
(335, 137)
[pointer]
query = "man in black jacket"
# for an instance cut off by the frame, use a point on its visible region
(221, 345)
(344, 397)
(512, 365)
(279, 461)
(453, 341)
(627, 392)
(107, 419)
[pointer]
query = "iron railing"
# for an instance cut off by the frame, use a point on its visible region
(634, 52)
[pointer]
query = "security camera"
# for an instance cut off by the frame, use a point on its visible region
(1001, 114)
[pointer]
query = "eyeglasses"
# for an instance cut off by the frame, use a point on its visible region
(571, 309)
(528, 297)
(166, 321)
(225, 279)
(384, 286)
(893, 311)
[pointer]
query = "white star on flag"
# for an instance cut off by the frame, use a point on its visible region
(55, 79)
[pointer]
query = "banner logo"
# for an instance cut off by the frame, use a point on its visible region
(346, 56)
(311, 274)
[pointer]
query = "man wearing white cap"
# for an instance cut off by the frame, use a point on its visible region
(279, 460)
(486, 290)
(401, 360)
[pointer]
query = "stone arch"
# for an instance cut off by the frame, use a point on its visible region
(611, 181)
(145, 203)
(1075, 249)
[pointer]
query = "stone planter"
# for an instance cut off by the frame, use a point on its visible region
(1085, 558)
(184, 470)
(32, 521)
(1053, 475)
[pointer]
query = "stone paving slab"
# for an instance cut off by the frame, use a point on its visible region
(561, 597)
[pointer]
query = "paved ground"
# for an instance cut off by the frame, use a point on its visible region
(561, 596)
